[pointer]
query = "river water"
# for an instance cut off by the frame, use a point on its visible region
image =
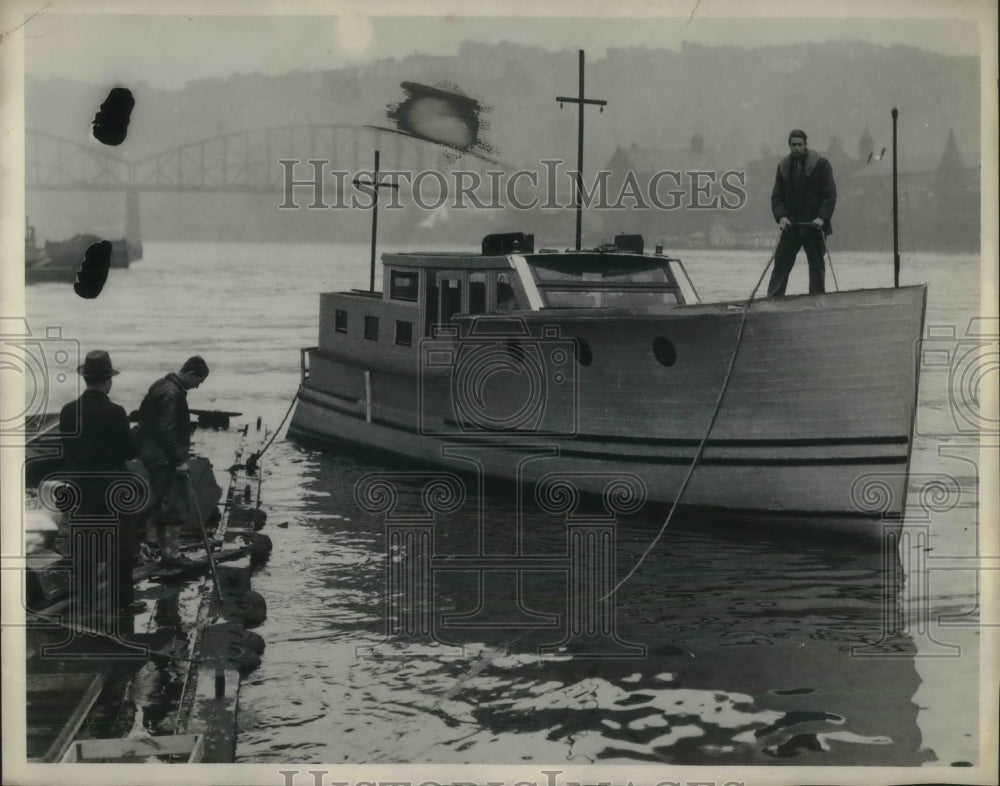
(729, 648)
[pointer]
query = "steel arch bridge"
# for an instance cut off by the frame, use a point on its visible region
(55, 164)
(235, 162)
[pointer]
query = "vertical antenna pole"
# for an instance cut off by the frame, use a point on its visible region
(895, 205)
(578, 197)
(371, 278)
(579, 162)
(375, 186)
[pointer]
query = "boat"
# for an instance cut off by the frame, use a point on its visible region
(61, 260)
(604, 363)
(76, 669)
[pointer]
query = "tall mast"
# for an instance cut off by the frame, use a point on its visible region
(895, 205)
(580, 101)
(375, 186)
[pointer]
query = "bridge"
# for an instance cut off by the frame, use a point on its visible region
(236, 162)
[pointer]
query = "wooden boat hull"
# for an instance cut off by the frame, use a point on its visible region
(815, 428)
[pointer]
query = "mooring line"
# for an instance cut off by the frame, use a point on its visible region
(704, 439)
(485, 659)
(277, 431)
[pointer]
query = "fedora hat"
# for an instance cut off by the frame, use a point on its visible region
(97, 365)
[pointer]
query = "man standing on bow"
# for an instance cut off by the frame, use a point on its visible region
(802, 201)
(96, 444)
(164, 440)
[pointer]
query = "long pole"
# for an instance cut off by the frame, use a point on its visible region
(579, 161)
(375, 186)
(580, 101)
(371, 278)
(895, 205)
(204, 539)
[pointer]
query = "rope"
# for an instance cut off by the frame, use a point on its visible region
(282, 423)
(829, 259)
(704, 439)
(485, 660)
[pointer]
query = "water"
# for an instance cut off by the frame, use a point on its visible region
(751, 641)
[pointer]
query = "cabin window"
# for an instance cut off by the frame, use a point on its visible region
(506, 299)
(371, 328)
(404, 285)
(477, 293)
(451, 298)
(340, 320)
(404, 333)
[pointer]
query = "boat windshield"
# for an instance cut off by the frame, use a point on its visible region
(607, 298)
(604, 282)
(601, 272)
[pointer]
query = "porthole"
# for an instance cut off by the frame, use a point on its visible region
(664, 351)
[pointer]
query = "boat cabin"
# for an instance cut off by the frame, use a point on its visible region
(423, 290)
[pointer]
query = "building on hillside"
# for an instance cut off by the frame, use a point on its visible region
(682, 193)
(938, 202)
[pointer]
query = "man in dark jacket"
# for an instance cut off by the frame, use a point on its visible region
(96, 444)
(802, 201)
(164, 440)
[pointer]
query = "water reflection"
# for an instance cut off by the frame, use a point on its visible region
(726, 648)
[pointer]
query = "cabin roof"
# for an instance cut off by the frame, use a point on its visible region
(448, 259)
(451, 259)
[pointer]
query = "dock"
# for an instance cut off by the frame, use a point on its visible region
(162, 686)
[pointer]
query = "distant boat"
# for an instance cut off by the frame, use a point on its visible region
(608, 360)
(61, 260)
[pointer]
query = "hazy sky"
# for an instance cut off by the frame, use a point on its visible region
(166, 51)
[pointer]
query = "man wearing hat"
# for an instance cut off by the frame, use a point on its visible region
(96, 443)
(164, 440)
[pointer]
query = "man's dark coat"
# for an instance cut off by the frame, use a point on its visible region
(96, 435)
(96, 438)
(165, 423)
(816, 198)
